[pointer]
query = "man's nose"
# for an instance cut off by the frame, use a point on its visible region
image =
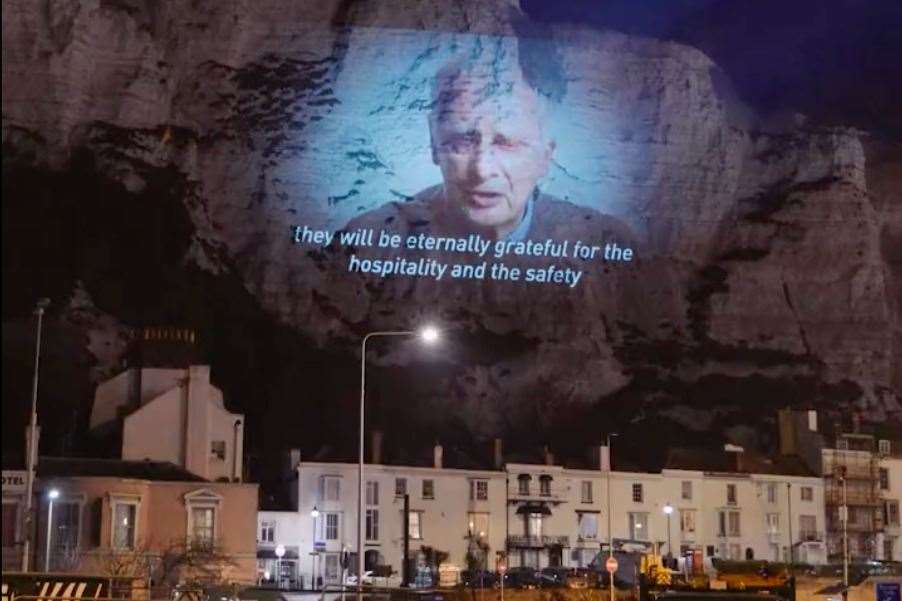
(483, 163)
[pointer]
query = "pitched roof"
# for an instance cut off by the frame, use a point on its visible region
(61, 467)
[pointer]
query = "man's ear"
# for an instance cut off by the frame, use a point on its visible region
(549, 154)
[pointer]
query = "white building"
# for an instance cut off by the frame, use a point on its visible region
(729, 504)
(184, 413)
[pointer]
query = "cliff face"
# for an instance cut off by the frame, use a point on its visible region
(775, 272)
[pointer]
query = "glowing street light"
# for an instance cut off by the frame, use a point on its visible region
(52, 494)
(429, 335)
(668, 510)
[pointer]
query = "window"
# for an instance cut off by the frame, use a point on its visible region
(638, 525)
(400, 487)
(731, 494)
(372, 493)
(10, 523)
(891, 512)
(587, 524)
(586, 491)
(523, 483)
(330, 488)
(428, 489)
(415, 525)
(772, 523)
(728, 523)
(807, 493)
(267, 532)
(331, 526)
(534, 525)
(372, 524)
(331, 567)
(686, 490)
(884, 478)
(124, 516)
(66, 525)
(888, 543)
(807, 527)
(883, 447)
(687, 521)
(478, 524)
(218, 449)
(203, 520)
(545, 486)
(842, 444)
(637, 493)
(772, 492)
(479, 490)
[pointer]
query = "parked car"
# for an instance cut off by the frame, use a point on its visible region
(478, 578)
(522, 577)
(556, 576)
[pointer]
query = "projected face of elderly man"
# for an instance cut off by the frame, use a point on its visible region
(490, 147)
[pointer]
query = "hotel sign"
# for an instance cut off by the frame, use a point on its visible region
(14, 481)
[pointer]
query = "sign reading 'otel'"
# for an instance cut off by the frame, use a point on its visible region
(13, 480)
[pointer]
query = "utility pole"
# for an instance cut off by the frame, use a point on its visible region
(31, 460)
(789, 519)
(610, 508)
(845, 535)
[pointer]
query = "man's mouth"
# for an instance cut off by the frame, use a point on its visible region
(484, 198)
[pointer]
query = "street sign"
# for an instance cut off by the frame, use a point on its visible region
(888, 591)
(611, 565)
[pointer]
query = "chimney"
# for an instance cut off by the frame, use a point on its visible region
(787, 429)
(604, 458)
(812, 420)
(737, 451)
(498, 455)
(291, 462)
(549, 456)
(376, 447)
(437, 452)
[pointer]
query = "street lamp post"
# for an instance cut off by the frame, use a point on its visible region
(610, 508)
(52, 495)
(429, 335)
(845, 536)
(32, 439)
(668, 510)
(313, 514)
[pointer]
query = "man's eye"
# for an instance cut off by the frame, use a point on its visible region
(460, 143)
(505, 142)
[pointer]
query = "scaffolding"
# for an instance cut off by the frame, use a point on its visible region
(859, 465)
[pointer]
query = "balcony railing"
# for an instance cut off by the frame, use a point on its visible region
(808, 536)
(537, 542)
(534, 493)
(835, 497)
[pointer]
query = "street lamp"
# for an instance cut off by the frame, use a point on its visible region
(314, 513)
(52, 495)
(32, 437)
(429, 335)
(610, 508)
(668, 510)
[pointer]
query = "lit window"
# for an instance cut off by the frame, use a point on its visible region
(415, 524)
(687, 521)
(883, 447)
(638, 526)
(124, 516)
(587, 523)
(478, 524)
